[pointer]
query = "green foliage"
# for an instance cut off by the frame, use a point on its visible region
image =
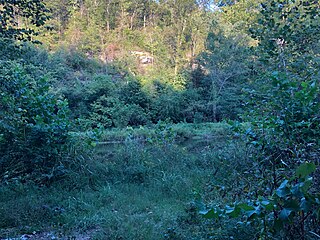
(19, 18)
(164, 134)
(196, 72)
(222, 71)
(285, 124)
(173, 33)
(110, 108)
(288, 34)
(111, 112)
(132, 93)
(283, 133)
(242, 15)
(34, 122)
(169, 105)
(295, 22)
(170, 32)
(130, 190)
(292, 203)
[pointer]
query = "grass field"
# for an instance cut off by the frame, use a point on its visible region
(135, 189)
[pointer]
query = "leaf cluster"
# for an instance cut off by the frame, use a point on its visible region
(293, 203)
(19, 19)
(34, 123)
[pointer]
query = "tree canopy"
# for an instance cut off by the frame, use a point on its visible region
(20, 18)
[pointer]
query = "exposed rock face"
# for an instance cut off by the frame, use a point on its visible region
(113, 52)
(144, 57)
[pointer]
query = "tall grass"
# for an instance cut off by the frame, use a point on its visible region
(133, 190)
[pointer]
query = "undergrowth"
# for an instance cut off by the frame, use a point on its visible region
(133, 190)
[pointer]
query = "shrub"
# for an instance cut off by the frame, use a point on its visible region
(33, 123)
(284, 134)
(111, 112)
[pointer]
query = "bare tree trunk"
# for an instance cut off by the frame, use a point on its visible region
(108, 16)
(132, 19)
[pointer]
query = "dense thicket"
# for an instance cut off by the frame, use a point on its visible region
(283, 112)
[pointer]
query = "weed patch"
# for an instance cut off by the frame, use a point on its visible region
(131, 190)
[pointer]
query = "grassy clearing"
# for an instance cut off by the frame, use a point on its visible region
(182, 131)
(134, 190)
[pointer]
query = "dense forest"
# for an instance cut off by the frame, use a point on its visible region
(159, 119)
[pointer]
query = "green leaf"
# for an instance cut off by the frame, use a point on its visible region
(285, 214)
(296, 191)
(245, 207)
(268, 205)
(210, 214)
(233, 211)
(305, 204)
(305, 170)
(292, 204)
(283, 190)
(306, 185)
(251, 215)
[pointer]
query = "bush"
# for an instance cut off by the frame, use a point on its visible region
(169, 104)
(34, 123)
(284, 134)
(111, 112)
(285, 120)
